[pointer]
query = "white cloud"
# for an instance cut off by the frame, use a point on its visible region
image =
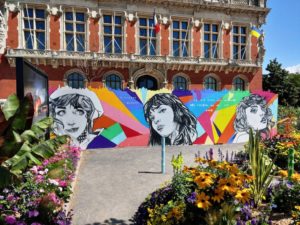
(294, 69)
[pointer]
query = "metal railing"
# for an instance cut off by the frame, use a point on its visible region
(233, 2)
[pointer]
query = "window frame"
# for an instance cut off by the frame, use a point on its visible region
(209, 83)
(74, 32)
(112, 35)
(180, 40)
(78, 74)
(210, 42)
(149, 38)
(238, 44)
(34, 30)
(186, 83)
(114, 81)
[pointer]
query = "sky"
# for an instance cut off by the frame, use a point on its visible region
(282, 34)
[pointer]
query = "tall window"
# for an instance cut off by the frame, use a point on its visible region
(75, 31)
(239, 84)
(34, 28)
(147, 36)
(112, 27)
(211, 39)
(210, 83)
(113, 81)
(239, 42)
(76, 80)
(180, 83)
(180, 38)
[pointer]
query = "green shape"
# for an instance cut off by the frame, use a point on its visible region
(232, 98)
(112, 131)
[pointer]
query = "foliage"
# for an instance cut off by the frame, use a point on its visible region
(285, 196)
(278, 147)
(261, 168)
(279, 81)
(39, 198)
(288, 114)
(296, 215)
(177, 163)
(23, 143)
(210, 193)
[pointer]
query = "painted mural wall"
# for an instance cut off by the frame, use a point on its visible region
(104, 118)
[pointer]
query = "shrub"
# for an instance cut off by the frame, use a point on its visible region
(210, 193)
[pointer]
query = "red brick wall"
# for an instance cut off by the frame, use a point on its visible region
(130, 40)
(254, 49)
(196, 44)
(94, 35)
(7, 79)
(12, 40)
(226, 45)
(165, 46)
(54, 32)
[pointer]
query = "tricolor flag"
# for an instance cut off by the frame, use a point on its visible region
(256, 32)
(156, 24)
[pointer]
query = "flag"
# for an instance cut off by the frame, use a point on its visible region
(256, 32)
(156, 24)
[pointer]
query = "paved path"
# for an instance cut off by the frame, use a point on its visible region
(112, 183)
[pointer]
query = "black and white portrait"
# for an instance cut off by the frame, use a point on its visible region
(74, 111)
(168, 117)
(252, 112)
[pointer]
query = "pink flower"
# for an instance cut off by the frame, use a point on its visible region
(45, 162)
(33, 213)
(34, 169)
(10, 219)
(10, 197)
(39, 178)
(63, 183)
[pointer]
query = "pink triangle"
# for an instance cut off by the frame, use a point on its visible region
(205, 122)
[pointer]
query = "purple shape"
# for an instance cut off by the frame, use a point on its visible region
(181, 93)
(101, 142)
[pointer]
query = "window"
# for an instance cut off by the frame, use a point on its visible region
(210, 83)
(113, 81)
(239, 84)
(180, 38)
(34, 28)
(112, 29)
(211, 40)
(75, 31)
(147, 36)
(239, 42)
(76, 80)
(180, 83)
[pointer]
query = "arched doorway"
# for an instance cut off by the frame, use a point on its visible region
(148, 82)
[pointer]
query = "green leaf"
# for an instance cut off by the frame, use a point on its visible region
(11, 106)
(20, 164)
(43, 123)
(33, 159)
(43, 150)
(17, 137)
(29, 135)
(6, 178)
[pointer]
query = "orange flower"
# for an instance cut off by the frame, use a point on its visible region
(283, 173)
(203, 181)
(200, 160)
(202, 201)
(296, 177)
(227, 185)
(219, 195)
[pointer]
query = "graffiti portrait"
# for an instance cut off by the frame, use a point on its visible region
(168, 117)
(74, 111)
(252, 112)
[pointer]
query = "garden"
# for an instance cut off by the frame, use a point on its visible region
(260, 185)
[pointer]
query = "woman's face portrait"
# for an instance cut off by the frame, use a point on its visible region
(74, 120)
(256, 117)
(162, 120)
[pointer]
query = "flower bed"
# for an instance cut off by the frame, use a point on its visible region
(40, 198)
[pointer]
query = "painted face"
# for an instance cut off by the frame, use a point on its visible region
(162, 120)
(256, 117)
(74, 120)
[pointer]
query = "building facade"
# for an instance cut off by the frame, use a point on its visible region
(176, 44)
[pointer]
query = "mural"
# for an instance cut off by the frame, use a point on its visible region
(168, 117)
(252, 112)
(104, 118)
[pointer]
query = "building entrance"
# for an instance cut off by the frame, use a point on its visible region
(148, 82)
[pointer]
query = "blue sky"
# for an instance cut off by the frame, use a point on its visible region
(282, 33)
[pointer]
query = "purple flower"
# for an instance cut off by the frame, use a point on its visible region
(253, 221)
(10, 219)
(36, 223)
(1, 197)
(192, 198)
(33, 213)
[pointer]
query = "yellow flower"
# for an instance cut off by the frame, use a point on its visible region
(243, 195)
(200, 160)
(237, 181)
(227, 185)
(212, 163)
(283, 173)
(175, 213)
(163, 218)
(219, 195)
(203, 181)
(297, 207)
(296, 177)
(202, 201)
